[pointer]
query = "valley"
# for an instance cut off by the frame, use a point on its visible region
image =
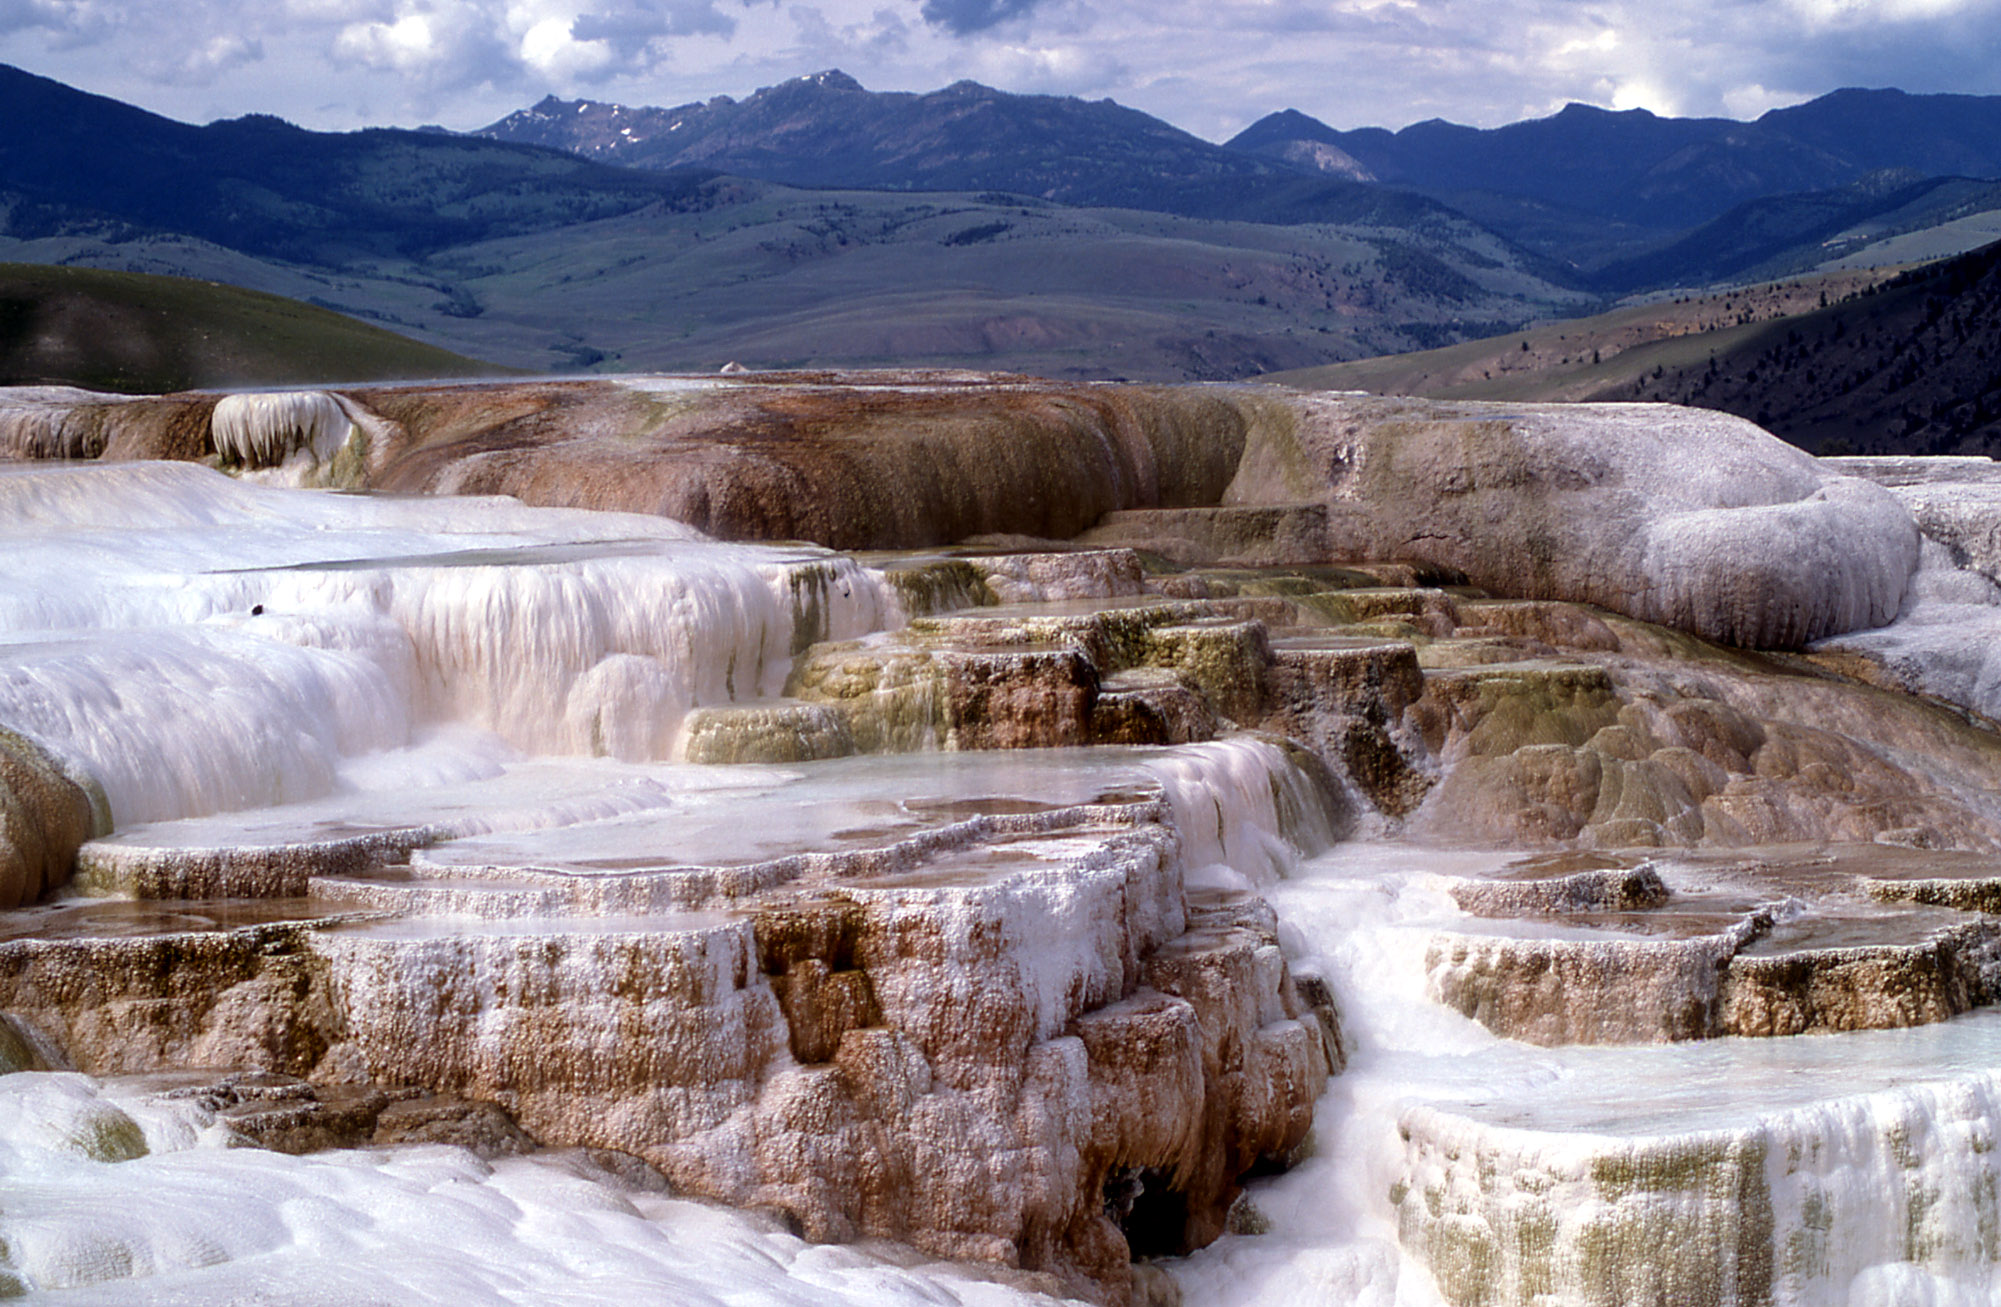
(965, 697)
(980, 229)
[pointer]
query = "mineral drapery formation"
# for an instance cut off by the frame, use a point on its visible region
(1695, 520)
(940, 894)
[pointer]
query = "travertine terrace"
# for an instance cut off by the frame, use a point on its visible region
(867, 801)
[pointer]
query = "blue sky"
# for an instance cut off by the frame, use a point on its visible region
(1211, 66)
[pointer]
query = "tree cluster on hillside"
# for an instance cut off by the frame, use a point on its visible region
(1910, 366)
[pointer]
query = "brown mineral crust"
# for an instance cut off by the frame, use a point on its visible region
(774, 732)
(1574, 627)
(1608, 889)
(885, 1058)
(1223, 661)
(1664, 740)
(251, 871)
(254, 997)
(1025, 578)
(57, 422)
(173, 427)
(1227, 536)
(1152, 712)
(984, 682)
(1350, 703)
(1038, 699)
(434, 1119)
(1751, 978)
(298, 1118)
(44, 819)
(1634, 737)
(1982, 894)
(1378, 681)
(1584, 992)
(1864, 988)
(853, 466)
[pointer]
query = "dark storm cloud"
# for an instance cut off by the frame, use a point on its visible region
(1956, 52)
(961, 17)
(630, 28)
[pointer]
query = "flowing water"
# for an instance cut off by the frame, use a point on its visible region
(1851, 1168)
(242, 666)
(1872, 1177)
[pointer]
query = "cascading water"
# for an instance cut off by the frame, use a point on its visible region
(1246, 811)
(270, 686)
(206, 646)
(264, 682)
(114, 1198)
(1456, 1167)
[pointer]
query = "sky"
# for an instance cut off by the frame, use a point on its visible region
(1209, 66)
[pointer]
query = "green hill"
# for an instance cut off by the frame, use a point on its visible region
(133, 332)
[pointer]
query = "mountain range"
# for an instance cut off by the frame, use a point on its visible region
(1622, 200)
(816, 223)
(826, 130)
(541, 259)
(1635, 167)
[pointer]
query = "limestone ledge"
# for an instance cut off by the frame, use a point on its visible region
(1793, 1205)
(1013, 1039)
(45, 816)
(1148, 669)
(1812, 939)
(1695, 520)
(1520, 722)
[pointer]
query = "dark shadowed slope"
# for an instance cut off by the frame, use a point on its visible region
(1912, 367)
(1834, 363)
(1663, 172)
(129, 332)
(71, 161)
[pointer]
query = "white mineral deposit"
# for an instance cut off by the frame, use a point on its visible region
(1401, 854)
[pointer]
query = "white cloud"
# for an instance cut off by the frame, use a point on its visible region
(1752, 101)
(551, 50)
(1852, 13)
(201, 64)
(1210, 66)
(1050, 69)
(406, 44)
(435, 49)
(1639, 93)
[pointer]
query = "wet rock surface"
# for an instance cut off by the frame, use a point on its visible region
(45, 816)
(926, 896)
(1695, 520)
(882, 1046)
(1694, 948)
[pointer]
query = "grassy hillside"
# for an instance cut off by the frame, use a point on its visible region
(1912, 367)
(1584, 357)
(1844, 362)
(131, 332)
